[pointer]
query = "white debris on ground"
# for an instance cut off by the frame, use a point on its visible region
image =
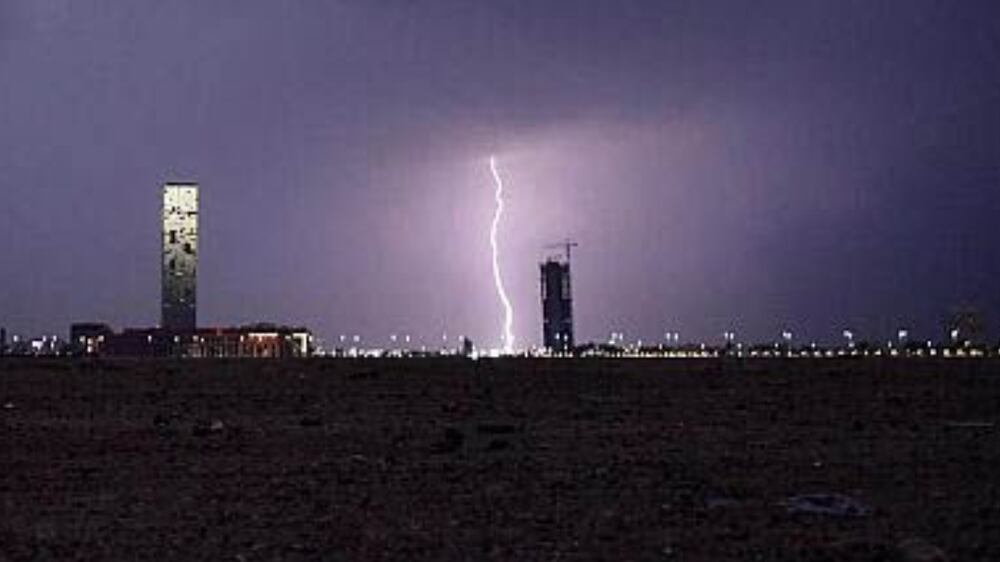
(919, 550)
(836, 505)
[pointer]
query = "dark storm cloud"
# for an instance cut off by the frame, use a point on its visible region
(724, 164)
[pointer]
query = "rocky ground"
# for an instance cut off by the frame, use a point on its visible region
(506, 460)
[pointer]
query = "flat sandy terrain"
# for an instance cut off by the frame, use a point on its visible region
(503, 460)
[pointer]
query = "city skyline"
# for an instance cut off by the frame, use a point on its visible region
(804, 167)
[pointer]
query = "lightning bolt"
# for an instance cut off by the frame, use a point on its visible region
(508, 321)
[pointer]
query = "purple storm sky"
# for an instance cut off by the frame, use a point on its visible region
(803, 164)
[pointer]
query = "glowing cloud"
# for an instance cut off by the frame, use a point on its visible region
(508, 322)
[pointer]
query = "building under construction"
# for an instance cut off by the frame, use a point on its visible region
(557, 304)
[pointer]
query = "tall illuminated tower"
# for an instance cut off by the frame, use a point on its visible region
(179, 273)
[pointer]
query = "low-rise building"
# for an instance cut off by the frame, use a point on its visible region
(255, 341)
(88, 338)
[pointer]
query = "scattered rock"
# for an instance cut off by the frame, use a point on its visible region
(836, 505)
(8, 405)
(202, 428)
(164, 425)
(969, 425)
(311, 421)
(498, 445)
(451, 441)
(496, 428)
(720, 502)
(850, 549)
(919, 550)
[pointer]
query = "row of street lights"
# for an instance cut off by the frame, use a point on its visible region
(617, 338)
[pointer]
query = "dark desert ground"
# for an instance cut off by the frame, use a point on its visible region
(497, 459)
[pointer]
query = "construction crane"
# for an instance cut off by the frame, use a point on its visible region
(568, 245)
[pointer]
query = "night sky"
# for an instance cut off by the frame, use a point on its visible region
(803, 164)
